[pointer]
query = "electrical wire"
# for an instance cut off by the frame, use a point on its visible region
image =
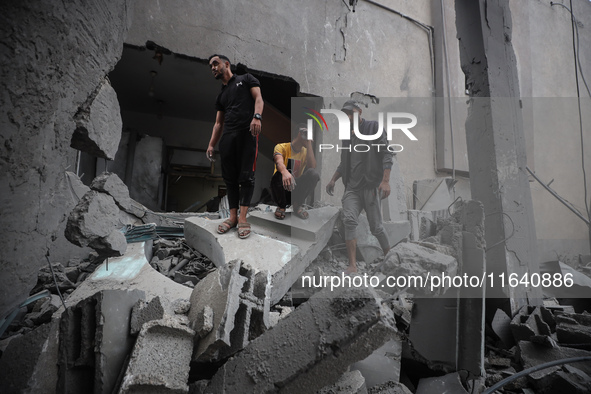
(505, 381)
(55, 281)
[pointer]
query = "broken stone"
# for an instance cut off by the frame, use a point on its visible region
(180, 306)
(501, 326)
(94, 222)
(529, 322)
(182, 278)
(407, 259)
(98, 123)
(24, 357)
(94, 341)
(389, 388)
(143, 312)
(111, 184)
(532, 355)
(349, 383)
(312, 347)
(382, 366)
(573, 328)
(238, 299)
(160, 359)
(449, 383)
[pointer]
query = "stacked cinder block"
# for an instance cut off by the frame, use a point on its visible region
(312, 347)
(94, 341)
(229, 308)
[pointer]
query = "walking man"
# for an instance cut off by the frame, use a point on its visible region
(295, 167)
(238, 120)
(366, 176)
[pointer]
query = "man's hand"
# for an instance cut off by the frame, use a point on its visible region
(210, 153)
(288, 182)
(255, 127)
(330, 188)
(384, 190)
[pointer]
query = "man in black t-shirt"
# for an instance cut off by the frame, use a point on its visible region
(238, 123)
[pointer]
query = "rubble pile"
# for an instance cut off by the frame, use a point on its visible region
(67, 278)
(166, 318)
(176, 260)
(540, 335)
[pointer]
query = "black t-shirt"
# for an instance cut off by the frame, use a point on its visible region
(236, 101)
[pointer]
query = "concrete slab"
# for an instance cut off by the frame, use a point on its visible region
(160, 359)
(382, 366)
(95, 341)
(132, 270)
(28, 363)
(275, 246)
(449, 383)
(312, 347)
(350, 383)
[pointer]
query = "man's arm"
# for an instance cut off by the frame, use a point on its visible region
(285, 175)
(215, 134)
(384, 187)
(310, 159)
(330, 185)
(259, 104)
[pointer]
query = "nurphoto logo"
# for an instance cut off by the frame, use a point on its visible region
(392, 123)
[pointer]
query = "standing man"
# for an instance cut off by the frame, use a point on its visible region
(238, 122)
(295, 165)
(366, 176)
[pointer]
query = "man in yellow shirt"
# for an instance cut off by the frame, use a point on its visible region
(295, 173)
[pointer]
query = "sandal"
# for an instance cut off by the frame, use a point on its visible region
(280, 213)
(243, 230)
(301, 213)
(226, 225)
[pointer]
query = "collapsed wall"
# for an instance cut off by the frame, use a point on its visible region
(55, 57)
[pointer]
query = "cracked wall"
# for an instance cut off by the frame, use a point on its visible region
(54, 55)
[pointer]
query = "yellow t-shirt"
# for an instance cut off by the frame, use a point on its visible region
(299, 159)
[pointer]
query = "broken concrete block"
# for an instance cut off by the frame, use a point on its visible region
(415, 219)
(180, 306)
(573, 328)
(531, 355)
(407, 260)
(449, 383)
(349, 383)
(110, 183)
(501, 326)
(28, 363)
(312, 347)
(229, 308)
(160, 360)
(284, 248)
(382, 366)
(94, 222)
(98, 123)
(95, 341)
(529, 322)
(389, 388)
(143, 312)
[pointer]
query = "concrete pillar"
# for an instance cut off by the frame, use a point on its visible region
(496, 145)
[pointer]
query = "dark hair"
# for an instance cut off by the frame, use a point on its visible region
(220, 56)
(296, 130)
